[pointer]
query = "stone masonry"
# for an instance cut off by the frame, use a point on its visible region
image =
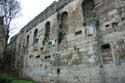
(74, 41)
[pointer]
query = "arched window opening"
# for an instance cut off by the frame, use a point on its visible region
(47, 30)
(88, 8)
(28, 40)
(63, 27)
(90, 20)
(35, 37)
(64, 22)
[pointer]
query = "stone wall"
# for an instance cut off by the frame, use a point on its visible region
(53, 8)
(90, 50)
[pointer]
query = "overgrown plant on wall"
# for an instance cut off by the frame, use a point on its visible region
(61, 36)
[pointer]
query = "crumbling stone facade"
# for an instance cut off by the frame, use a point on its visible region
(75, 41)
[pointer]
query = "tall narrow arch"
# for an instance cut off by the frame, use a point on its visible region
(64, 22)
(27, 40)
(63, 27)
(35, 35)
(47, 30)
(88, 9)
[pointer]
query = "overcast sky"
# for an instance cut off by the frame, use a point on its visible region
(29, 9)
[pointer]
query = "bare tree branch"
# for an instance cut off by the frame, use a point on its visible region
(9, 9)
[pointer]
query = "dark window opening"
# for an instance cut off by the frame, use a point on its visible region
(90, 34)
(63, 26)
(43, 42)
(58, 71)
(28, 40)
(123, 18)
(106, 46)
(64, 19)
(84, 24)
(107, 54)
(47, 57)
(42, 48)
(50, 43)
(88, 9)
(78, 32)
(60, 26)
(115, 24)
(35, 37)
(30, 56)
(47, 30)
(107, 25)
(37, 56)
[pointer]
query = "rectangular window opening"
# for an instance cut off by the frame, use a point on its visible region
(37, 56)
(107, 25)
(78, 32)
(107, 54)
(47, 57)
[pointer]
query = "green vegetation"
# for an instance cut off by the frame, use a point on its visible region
(8, 79)
(21, 81)
(61, 36)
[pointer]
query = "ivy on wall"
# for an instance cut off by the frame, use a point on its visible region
(61, 36)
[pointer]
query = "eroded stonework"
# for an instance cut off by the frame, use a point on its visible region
(75, 41)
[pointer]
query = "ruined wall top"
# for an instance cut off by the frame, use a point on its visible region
(53, 8)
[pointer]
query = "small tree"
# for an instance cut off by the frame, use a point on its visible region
(9, 9)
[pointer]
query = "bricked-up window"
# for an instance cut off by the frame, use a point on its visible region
(28, 40)
(47, 30)
(35, 37)
(107, 54)
(90, 30)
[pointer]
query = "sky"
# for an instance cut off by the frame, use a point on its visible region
(29, 9)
